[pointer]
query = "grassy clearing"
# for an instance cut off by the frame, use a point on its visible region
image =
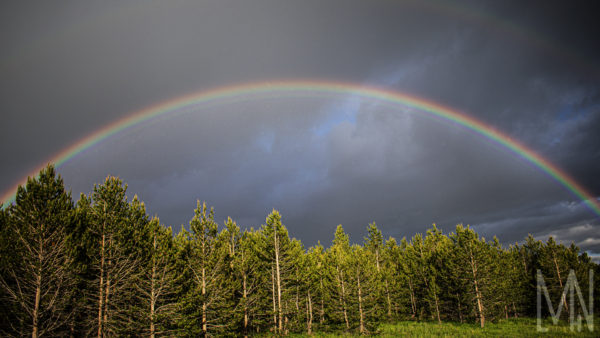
(503, 328)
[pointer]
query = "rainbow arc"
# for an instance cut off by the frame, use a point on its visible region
(317, 87)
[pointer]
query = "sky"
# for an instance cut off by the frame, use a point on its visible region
(529, 70)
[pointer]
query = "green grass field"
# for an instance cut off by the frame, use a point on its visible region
(504, 328)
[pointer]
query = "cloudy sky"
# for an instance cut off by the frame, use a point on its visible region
(529, 69)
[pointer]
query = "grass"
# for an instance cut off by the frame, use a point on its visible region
(522, 327)
(504, 328)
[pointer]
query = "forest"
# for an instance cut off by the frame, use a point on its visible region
(101, 266)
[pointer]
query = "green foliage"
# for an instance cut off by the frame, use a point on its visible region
(205, 299)
(108, 269)
(36, 281)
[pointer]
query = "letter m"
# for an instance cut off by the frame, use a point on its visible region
(571, 287)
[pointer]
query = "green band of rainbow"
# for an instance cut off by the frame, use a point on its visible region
(283, 88)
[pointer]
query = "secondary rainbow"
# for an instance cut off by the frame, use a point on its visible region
(315, 87)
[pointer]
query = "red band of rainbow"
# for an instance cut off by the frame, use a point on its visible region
(294, 87)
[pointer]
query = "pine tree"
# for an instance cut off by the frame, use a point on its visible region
(157, 282)
(249, 274)
(8, 312)
(82, 248)
(298, 287)
(317, 283)
(37, 281)
(116, 265)
(456, 286)
(205, 261)
(406, 266)
(424, 254)
(274, 222)
(339, 254)
(374, 243)
(105, 268)
(475, 263)
(519, 281)
(231, 236)
(393, 278)
(555, 268)
(283, 255)
(502, 280)
(529, 254)
(364, 285)
(311, 285)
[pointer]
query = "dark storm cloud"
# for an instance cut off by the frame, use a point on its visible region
(71, 68)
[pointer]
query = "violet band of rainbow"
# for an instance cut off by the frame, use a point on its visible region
(288, 87)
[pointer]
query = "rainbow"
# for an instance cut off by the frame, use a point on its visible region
(314, 87)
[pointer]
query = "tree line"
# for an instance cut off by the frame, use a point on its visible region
(102, 267)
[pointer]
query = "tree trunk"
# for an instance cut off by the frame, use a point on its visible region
(278, 276)
(477, 293)
(343, 296)
(153, 290)
(560, 281)
(108, 282)
(274, 300)
(204, 326)
(245, 295)
(460, 317)
(38, 290)
(360, 308)
(413, 304)
(297, 297)
(101, 297)
(437, 308)
(389, 301)
(106, 299)
(322, 311)
(479, 305)
(309, 314)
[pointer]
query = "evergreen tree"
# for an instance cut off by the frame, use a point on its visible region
(249, 274)
(406, 266)
(231, 237)
(554, 263)
(530, 258)
(104, 268)
(475, 265)
(424, 253)
(519, 281)
(364, 284)
(374, 243)
(317, 282)
(283, 254)
(37, 281)
(157, 282)
(206, 261)
(81, 245)
(116, 264)
(393, 278)
(7, 257)
(339, 254)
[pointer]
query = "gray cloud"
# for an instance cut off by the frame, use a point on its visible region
(71, 68)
